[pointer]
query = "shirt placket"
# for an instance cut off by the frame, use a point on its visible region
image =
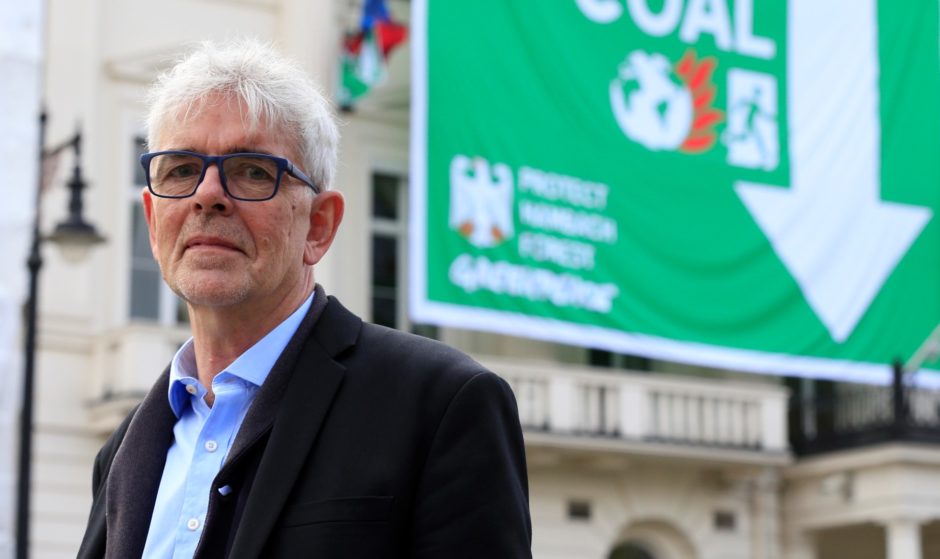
(208, 453)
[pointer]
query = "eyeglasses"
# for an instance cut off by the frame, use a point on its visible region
(252, 177)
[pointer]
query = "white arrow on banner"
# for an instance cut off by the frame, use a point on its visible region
(831, 229)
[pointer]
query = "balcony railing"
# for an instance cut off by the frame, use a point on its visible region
(854, 415)
(655, 408)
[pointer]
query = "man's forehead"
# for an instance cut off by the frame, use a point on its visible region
(223, 125)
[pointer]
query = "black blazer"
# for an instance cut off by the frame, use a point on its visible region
(363, 442)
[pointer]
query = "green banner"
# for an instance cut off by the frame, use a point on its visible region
(739, 184)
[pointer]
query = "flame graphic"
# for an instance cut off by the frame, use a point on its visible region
(696, 74)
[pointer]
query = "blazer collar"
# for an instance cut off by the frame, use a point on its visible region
(261, 414)
(135, 473)
(299, 392)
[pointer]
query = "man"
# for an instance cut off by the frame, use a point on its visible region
(286, 426)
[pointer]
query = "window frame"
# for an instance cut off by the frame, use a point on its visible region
(168, 304)
(398, 230)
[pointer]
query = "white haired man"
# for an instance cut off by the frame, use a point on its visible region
(286, 426)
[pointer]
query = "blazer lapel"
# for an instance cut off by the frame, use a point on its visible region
(310, 383)
(261, 414)
(136, 471)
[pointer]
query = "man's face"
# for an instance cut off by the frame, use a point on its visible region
(218, 252)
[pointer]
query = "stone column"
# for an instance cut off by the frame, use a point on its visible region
(561, 403)
(309, 32)
(902, 538)
(766, 504)
(799, 545)
(634, 409)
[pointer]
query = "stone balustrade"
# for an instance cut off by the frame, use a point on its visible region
(582, 401)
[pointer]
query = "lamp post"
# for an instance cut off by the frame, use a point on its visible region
(74, 236)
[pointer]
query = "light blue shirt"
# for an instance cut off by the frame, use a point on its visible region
(203, 435)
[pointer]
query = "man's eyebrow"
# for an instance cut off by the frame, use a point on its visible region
(236, 149)
(243, 149)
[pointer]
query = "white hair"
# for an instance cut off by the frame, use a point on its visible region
(271, 86)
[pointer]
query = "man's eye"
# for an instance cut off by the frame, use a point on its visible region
(256, 173)
(183, 171)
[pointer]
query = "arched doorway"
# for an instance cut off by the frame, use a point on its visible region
(652, 539)
(631, 550)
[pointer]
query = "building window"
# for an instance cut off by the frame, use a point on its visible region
(579, 510)
(389, 253)
(603, 358)
(725, 521)
(150, 298)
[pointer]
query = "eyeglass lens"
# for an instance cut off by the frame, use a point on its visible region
(246, 176)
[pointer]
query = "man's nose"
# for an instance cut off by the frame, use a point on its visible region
(210, 195)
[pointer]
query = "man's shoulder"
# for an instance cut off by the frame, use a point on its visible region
(374, 341)
(386, 356)
(398, 346)
(418, 375)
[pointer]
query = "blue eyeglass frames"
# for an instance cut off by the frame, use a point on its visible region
(252, 177)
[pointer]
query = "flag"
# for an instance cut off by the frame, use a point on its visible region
(365, 53)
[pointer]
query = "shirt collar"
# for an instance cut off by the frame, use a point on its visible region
(252, 366)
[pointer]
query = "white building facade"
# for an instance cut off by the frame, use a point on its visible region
(21, 63)
(671, 462)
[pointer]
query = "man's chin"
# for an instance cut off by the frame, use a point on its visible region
(211, 290)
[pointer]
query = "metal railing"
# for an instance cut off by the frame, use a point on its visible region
(853, 415)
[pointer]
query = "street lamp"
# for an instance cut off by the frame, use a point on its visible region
(74, 236)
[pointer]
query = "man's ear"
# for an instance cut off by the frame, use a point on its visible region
(326, 213)
(147, 199)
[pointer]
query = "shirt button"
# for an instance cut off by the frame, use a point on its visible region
(192, 523)
(211, 446)
(191, 388)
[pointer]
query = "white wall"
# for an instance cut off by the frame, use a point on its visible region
(625, 492)
(20, 66)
